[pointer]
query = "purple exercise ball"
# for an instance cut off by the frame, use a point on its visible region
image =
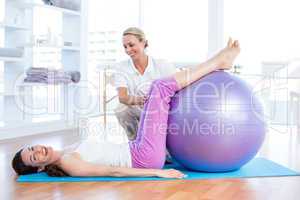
(216, 124)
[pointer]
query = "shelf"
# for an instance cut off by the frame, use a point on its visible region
(67, 48)
(23, 128)
(11, 59)
(19, 22)
(64, 48)
(7, 95)
(13, 27)
(62, 10)
(33, 84)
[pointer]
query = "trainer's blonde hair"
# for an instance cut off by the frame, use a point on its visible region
(138, 33)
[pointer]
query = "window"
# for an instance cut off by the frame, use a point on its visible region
(270, 42)
(267, 30)
(2, 8)
(1, 91)
(177, 33)
(176, 30)
(1, 77)
(107, 20)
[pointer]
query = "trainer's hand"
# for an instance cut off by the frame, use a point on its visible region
(170, 173)
(140, 100)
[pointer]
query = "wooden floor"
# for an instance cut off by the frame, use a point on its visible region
(280, 146)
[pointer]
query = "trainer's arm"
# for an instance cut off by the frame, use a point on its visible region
(127, 99)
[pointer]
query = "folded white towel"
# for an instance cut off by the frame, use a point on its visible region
(50, 76)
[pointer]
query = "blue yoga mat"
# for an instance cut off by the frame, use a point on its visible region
(258, 167)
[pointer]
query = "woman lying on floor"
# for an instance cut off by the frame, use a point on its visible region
(145, 156)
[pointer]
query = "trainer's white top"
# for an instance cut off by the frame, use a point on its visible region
(103, 152)
(139, 84)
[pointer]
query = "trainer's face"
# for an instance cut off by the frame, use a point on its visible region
(133, 46)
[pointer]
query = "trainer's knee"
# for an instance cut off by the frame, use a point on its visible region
(126, 111)
(120, 113)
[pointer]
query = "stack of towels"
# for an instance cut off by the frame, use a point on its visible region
(51, 76)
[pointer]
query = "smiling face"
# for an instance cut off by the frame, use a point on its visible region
(39, 156)
(133, 46)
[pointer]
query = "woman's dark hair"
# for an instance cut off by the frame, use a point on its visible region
(54, 170)
(21, 169)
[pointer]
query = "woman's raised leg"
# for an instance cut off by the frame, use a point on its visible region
(223, 60)
(148, 150)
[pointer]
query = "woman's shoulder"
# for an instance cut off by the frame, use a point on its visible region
(69, 159)
(71, 155)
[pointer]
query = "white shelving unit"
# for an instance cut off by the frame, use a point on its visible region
(67, 48)
(18, 29)
(11, 59)
(29, 5)
(13, 26)
(64, 48)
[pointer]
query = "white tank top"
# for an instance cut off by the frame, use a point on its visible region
(103, 152)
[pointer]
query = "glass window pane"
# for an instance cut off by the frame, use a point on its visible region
(267, 30)
(176, 29)
(106, 27)
(270, 42)
(2, 9)
(106, 21)
(1, 77)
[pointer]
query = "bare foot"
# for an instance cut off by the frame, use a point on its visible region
(226, 56)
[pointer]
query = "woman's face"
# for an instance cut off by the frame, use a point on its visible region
(133, 47)
(38, 155)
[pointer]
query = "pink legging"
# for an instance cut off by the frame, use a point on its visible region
(148, 150)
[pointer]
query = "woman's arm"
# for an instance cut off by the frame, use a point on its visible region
(128, 99)
(137, 172)
(77, 167)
